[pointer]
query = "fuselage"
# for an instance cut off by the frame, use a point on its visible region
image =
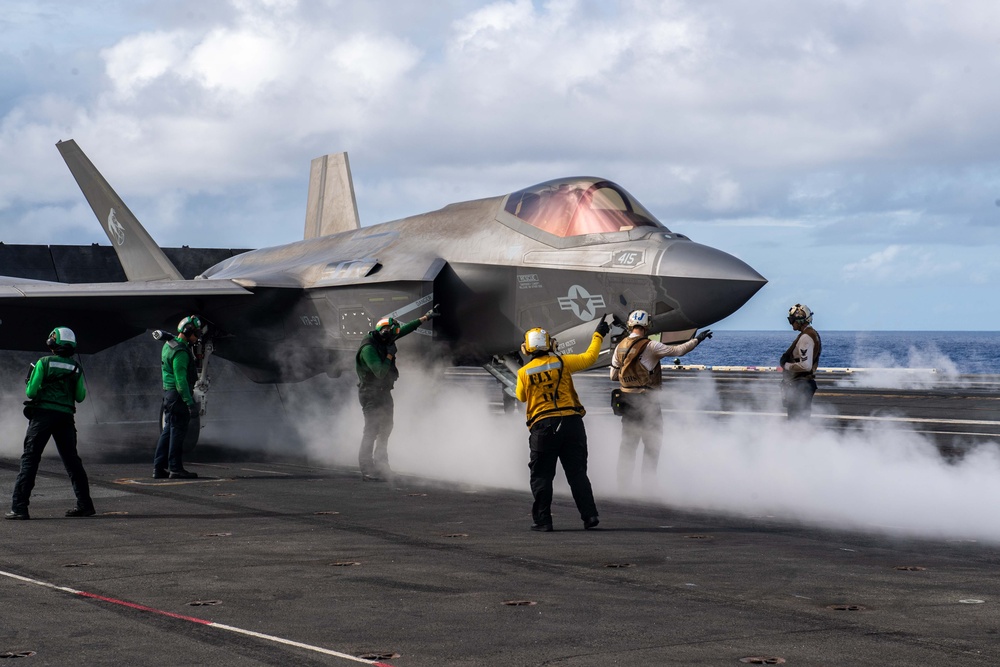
(494, 268)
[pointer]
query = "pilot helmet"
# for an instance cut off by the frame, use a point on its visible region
(190, 325)
(62, 340)
(387, 328)
(800, 313)
(638, 318)
(536, 340)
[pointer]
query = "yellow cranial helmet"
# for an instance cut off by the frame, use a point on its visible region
(536, 340)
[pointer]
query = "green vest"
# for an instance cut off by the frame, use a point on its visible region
(185, 375)
(54, 384)
(373, 353)
(375, 372)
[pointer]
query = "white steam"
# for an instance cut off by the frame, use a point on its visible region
(12, 427)
(443, 429)
(925, 367)
(881, 479)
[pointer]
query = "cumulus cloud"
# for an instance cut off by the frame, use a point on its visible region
(860, 122)
(899, 264)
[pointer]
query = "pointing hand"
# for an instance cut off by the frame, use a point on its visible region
(707, 333)
(603, 327)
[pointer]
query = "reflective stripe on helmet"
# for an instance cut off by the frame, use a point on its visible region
(537, 340)
(63, 336)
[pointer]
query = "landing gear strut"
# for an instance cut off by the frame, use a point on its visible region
(504, 369)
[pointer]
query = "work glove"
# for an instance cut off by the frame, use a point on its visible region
(785, 358)
(603, 328)
(391, 350)
(707, 333)
(432, 313)
(193, 410)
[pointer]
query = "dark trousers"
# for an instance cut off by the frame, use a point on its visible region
(169, 453)
(798, 398)
(642, 422)
(559, 439)
(59, 426)
(377, 407)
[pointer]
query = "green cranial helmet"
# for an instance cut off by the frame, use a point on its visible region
(190, 325)
(387, 326)
(62, 337)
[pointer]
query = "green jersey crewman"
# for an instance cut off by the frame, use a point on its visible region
(180, 372)
(375, 363)
(54, 388)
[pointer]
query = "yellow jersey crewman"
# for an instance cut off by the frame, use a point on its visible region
(555, 423)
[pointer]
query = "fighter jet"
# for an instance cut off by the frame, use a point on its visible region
(557, 255)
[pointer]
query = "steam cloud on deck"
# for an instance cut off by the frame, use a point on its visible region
(880, 478)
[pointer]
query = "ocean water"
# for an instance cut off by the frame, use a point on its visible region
(952, 352)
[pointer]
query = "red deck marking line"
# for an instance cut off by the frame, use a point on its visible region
(192, 619)
(142, 607)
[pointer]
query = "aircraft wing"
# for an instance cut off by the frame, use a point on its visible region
(14, 288)
(102, 314)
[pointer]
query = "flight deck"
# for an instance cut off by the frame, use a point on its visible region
(865, 536)
(955, 412)
(271, 559)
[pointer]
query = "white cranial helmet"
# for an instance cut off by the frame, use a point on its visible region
(800, 313)
(638, 318)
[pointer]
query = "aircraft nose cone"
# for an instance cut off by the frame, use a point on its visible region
(709, 284)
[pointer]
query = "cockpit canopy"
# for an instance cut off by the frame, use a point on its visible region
(578, 206)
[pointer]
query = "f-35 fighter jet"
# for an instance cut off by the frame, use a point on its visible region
(557, 255)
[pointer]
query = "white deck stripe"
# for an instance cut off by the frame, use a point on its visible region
(289, 642)
(914, 420)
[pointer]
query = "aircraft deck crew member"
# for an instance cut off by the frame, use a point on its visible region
(375, 363)
(180, 372)
(799, 363)
(53, 389)
(635, 364)
(555, 423)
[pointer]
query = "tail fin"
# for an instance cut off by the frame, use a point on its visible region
(331, 206)
(139, 255)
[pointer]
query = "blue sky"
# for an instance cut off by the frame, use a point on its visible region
(848, 150)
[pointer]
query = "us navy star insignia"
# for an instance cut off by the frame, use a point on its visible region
(583, 304)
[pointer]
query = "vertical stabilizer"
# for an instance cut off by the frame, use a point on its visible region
(139, 255)
(331, 207)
